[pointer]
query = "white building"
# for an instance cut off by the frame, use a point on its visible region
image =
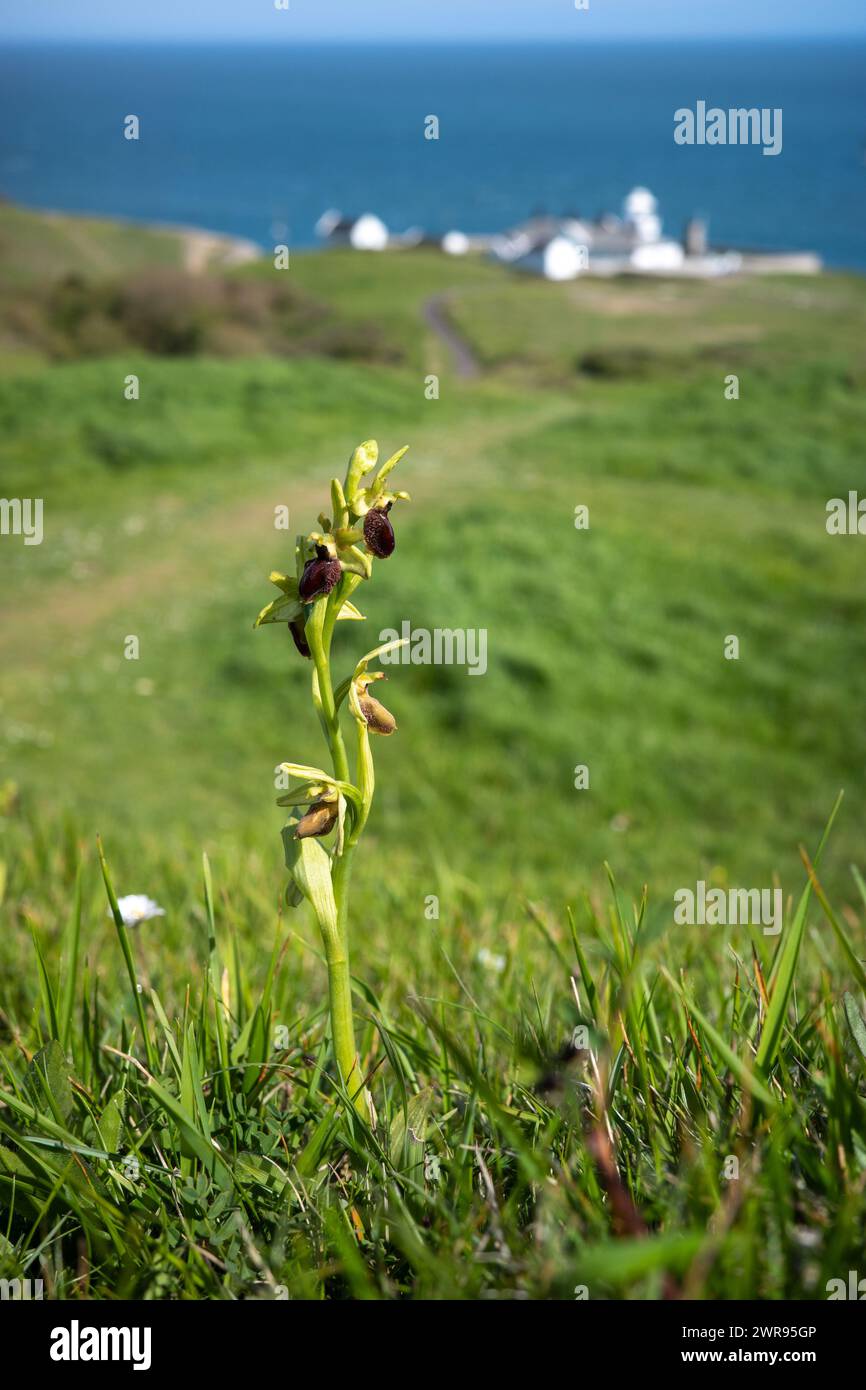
(657, 257)
(526, 240)
(555, 257)
(561, 248)
(365, 233)
(455, 243)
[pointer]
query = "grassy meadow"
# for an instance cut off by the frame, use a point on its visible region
(169, 1122)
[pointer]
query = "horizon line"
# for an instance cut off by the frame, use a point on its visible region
(365, 41)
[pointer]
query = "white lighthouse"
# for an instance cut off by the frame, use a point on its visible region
(640, 214)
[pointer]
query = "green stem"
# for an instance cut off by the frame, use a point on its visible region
(342, 876)
(340, 988)
(342, 1027)
(321, 631)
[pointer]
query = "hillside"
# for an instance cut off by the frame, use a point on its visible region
(707, 518)
(562, 1070)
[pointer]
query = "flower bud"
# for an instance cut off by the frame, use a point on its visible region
(378, 532)
(319, 576)
(319, 820)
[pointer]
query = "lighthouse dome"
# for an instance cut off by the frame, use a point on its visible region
(639, 203)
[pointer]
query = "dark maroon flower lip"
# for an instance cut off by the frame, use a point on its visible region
(379, 532)
(319, 576)
(299, 637)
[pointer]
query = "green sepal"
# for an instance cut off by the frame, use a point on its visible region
(284, 609)
(349, 613)
(314, 776)
(310, 868)
(284, 582)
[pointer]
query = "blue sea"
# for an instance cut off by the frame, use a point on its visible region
(259, 141)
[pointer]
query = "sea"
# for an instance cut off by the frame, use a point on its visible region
(258, 141)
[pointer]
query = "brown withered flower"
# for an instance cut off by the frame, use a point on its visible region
(379, 719)
(379, 532)
(319, 820)
(319, 576)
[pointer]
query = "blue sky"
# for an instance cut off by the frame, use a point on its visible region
(445, 19)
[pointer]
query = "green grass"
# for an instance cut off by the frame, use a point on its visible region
(505, 1160)
(634, 328)
(605, 647)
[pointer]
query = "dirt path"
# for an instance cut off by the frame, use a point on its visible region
(78, 608)
(233, 528)
(436, 317)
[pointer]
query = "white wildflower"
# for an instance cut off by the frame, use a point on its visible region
(136, 908)
(490, 961)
